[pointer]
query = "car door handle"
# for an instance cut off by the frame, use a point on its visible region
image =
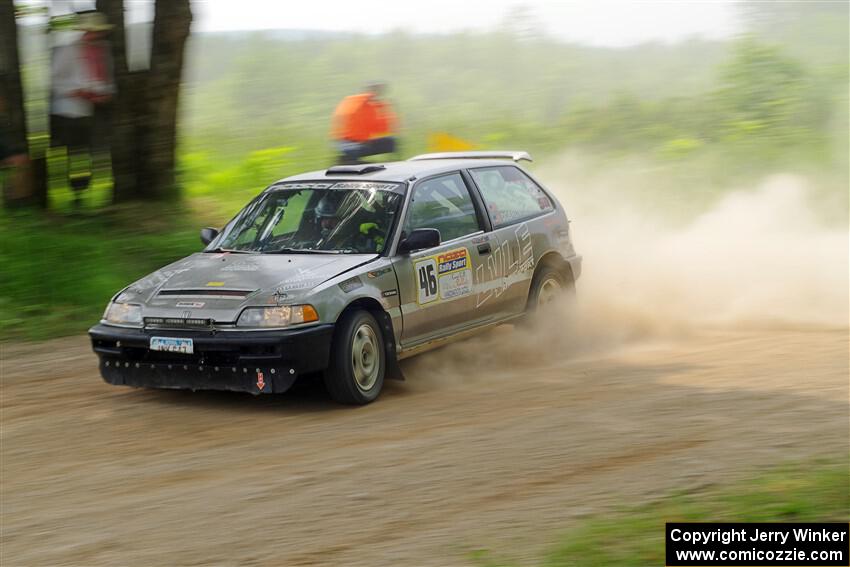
(484, 248)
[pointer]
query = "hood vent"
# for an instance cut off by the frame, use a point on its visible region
(224, 293)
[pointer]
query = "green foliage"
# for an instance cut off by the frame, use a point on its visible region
(751, 100)
(680, 147)
(810, 492)
(25, 9)
(233, 185)
(59, 272)
(761, 96)
(265, 89)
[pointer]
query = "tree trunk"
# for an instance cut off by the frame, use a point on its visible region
(144, 113)
(170, 31)
(12, 93)
(123, 138)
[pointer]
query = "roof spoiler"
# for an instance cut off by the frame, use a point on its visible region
(478, 154)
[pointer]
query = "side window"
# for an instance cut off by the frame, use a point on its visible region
(510, 194)
(442, 203)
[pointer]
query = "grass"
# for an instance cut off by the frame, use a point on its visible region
(817, 491)
(61, 270)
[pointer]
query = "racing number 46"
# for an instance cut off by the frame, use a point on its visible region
(427, 276)
(427, 279)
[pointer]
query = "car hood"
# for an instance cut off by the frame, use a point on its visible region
(219, 286)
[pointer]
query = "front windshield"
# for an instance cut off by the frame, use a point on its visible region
(350, 218)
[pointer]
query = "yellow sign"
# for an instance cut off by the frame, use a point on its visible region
(443, 142)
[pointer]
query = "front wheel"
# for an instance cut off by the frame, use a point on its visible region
(357, 366)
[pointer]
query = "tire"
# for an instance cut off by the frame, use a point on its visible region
(355, 373)
(547, 286)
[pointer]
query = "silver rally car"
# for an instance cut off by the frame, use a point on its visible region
(345, 272)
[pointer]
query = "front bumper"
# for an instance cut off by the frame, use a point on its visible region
(259, 362)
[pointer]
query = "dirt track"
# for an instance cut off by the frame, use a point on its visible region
(99, 475)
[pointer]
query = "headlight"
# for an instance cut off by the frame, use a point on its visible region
(123, 314)
(280, 316)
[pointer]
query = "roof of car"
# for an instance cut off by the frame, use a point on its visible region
(399, 171)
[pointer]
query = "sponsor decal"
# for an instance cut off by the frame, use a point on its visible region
(443, 277)
(301, 186)
(304, 279)
(278, 298)
(241, 267)
(294, 286)
(368, 185)
(365, 185)
(191, 304)
(155, 279)
(261, 383)
(511, 257)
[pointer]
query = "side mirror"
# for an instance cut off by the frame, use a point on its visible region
(420, 239)
(208, 235)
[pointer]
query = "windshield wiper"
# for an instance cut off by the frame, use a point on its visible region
(222, 250)
(300, 251)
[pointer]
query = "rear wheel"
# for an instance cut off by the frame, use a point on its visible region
(357, 366)
(548, 287)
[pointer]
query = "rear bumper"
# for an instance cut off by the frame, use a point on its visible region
(259, 362)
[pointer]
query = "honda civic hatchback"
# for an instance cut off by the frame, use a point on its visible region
(342, 273)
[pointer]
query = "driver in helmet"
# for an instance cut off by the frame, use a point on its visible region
(327, 215)
(369, 237)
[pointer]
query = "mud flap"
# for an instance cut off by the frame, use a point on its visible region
(394, 370)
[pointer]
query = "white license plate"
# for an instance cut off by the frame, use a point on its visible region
(169, 344)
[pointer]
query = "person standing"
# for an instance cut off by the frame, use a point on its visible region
(364, 125)
(81, 83)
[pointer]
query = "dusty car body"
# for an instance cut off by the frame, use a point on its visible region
(454, 243)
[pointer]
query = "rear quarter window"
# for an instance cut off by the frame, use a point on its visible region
(510, 194)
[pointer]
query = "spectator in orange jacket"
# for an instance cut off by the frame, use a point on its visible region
(364, 125)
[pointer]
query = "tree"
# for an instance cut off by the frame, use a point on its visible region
(11, 90)
(144, 119)
(762, 93)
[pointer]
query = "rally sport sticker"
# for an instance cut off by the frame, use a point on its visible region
(443, 276)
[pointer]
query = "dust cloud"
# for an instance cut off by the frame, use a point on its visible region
(757, 257)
